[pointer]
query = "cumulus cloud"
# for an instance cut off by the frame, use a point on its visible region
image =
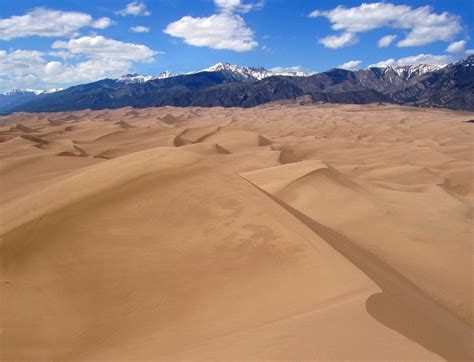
(140, 29)
(218, 31)
(386, 40)
(102, 23)
(78, 60)
(237, 5)
(61, 54)
(87, 71)
(101, 47)
(30, 68)
(457, 47)
(415, 59)
(48, 23)
(339, 41)
(350, 65)
(134, 8)
(224, 30)
(424, 26)
(19, 62)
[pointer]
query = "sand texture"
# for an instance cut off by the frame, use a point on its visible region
(320, 232)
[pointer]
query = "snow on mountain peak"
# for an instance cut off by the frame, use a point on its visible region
(468, 62)
(36, 92)
(409, 71)
(138, 78)
(291, 72)
(238, 72)
(245, 73)
(255, 73)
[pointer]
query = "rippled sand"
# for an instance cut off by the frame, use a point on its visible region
(277, 232)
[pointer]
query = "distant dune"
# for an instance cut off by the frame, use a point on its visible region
(320, 232)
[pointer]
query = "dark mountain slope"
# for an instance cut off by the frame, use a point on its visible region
(449, 87)
(13, 99)
(109, 93)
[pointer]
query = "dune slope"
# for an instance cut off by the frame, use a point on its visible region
(279, 232)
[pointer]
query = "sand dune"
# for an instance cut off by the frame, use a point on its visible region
(329, 232)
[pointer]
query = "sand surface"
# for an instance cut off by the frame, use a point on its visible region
(323, 232)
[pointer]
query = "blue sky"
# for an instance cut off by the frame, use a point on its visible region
(58, 43)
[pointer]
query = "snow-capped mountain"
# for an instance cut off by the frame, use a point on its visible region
(241, 73)
(35, 92)
(388, 79)
(138, 78)
(291, 73)
(51, 90)
(421, 85)
(411, 71)
(12, 92)
(16, 97)
(255, 73)
(467, 62)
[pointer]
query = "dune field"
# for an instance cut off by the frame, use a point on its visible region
(317, 232)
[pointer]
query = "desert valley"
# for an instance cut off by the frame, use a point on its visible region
(283, 231)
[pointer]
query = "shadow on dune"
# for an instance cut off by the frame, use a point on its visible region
(416, 320)
(401, 306)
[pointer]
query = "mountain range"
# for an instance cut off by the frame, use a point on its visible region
(16, 97)
(238, 73)
(450, 86)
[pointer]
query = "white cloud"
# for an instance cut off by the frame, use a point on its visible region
(100, 47)
(387, 62)
(102, 23)
(140, 29)
(224, 30)
(457, 47)
(237, 5)
(218, 31)
(424, 25)
(20, 62)
(53, 68)
(425, 59)
(48, 23)
(386, 40)
(88, 71)
(350, 65)
(416, 59)
(364, 17)
(335, 41)
(65, 55)
(134, 8)
(30, 69)
(84, 59)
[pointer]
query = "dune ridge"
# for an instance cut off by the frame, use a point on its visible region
(328, 232)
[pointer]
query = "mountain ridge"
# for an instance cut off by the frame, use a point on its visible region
(241, 73)
(228, 85)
